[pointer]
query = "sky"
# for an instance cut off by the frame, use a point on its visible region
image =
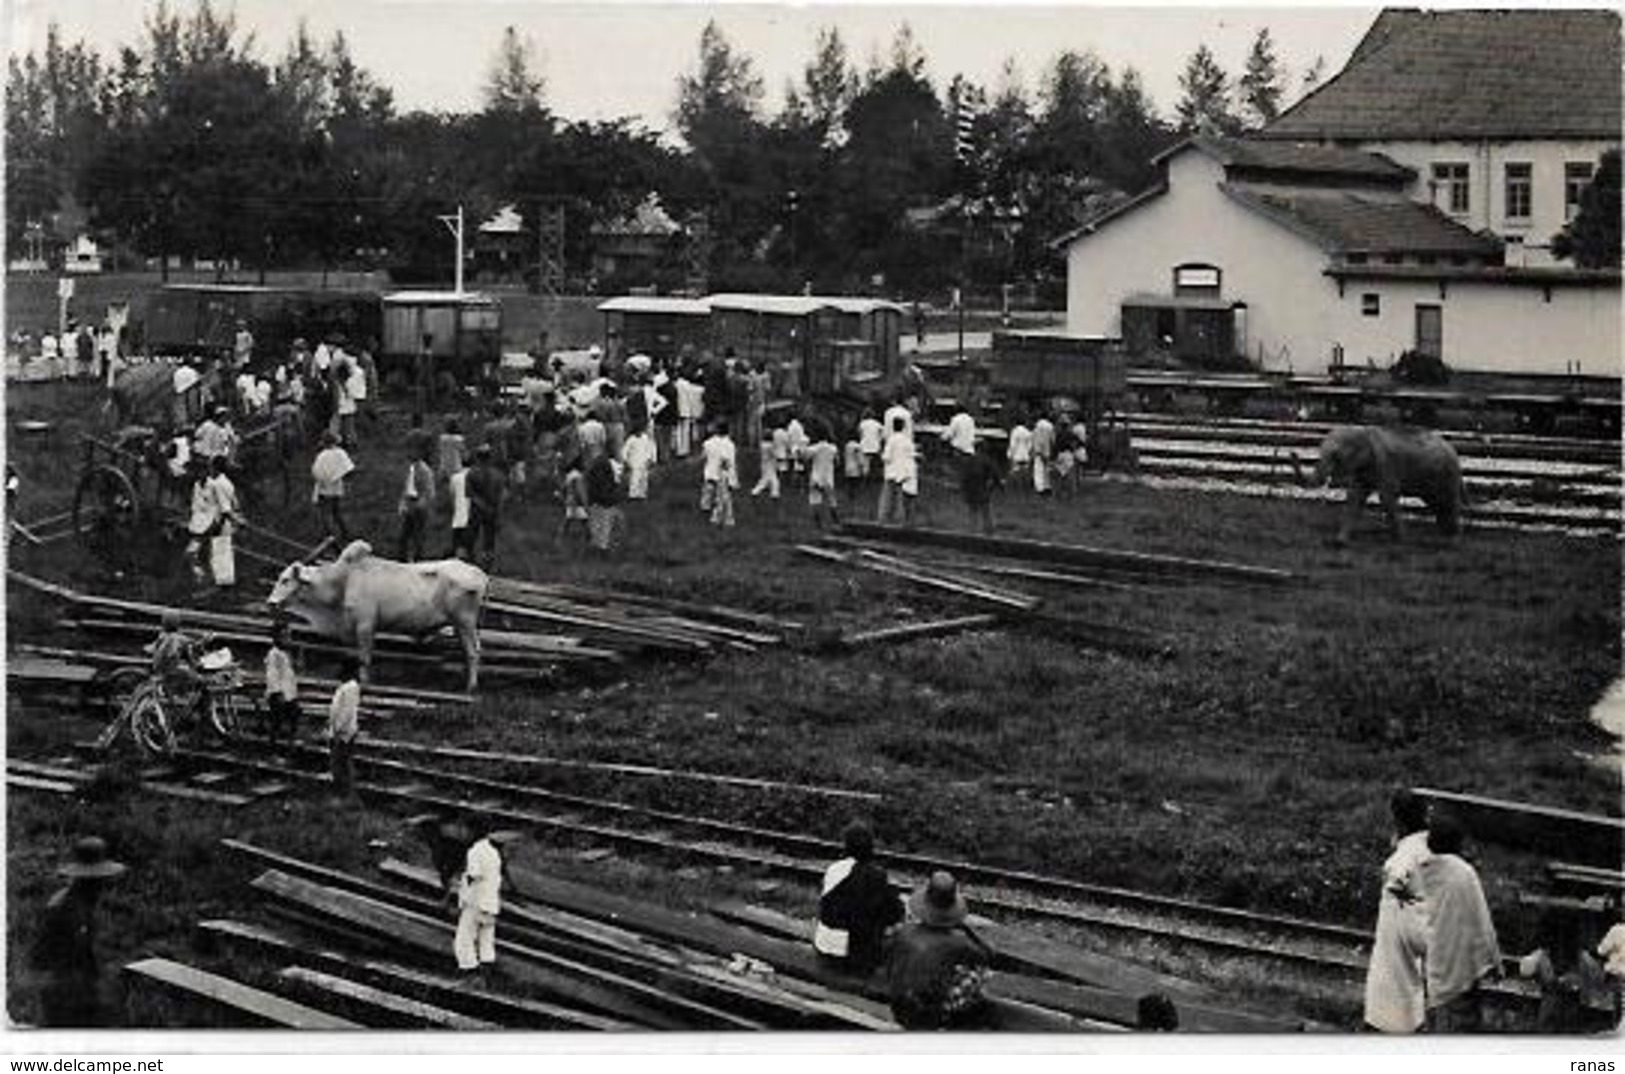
(608, 60)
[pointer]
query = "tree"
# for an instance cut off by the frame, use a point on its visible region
(1312, 77)
(1204, 107)
(1261, 82)
(511, 86)
(830, 84)
(1592, 239)
(722, 95)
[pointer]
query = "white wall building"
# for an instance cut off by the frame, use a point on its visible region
(1408, 204)
(1299, 257)
(1502, 115)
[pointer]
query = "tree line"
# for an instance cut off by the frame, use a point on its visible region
(188, 143)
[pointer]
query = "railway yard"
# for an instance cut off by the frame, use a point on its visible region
(1151, 725)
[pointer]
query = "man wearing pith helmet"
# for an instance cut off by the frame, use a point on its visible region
(65, 949)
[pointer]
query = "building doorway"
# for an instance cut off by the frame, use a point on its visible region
(1430, 331)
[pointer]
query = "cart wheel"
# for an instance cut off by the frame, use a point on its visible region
(105, 509)
(150, 727)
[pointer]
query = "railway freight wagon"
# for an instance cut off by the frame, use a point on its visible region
(463, 332)
(1036, 367)
(203, 318)
(811, 344)
(658, 327)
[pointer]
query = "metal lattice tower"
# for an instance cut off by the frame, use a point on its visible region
(550, 250)
(697, 251)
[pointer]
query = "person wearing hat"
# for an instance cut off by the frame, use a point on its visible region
(65, 948)
(479, 901)
(857, 905)
(174, 655)
(937, 969)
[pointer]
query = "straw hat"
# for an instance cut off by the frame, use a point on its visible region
(938, 903)
(90, 861)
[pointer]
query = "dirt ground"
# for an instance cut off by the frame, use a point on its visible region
(1251, 767)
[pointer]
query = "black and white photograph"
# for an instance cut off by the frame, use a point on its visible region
(1077, 522)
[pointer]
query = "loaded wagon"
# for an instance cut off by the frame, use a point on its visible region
(463, 330)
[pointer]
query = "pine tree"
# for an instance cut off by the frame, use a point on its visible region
(511, 85)
(1204, 107)
(830, 84)
(1261, 82)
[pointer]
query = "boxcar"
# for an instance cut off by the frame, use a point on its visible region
(466, 331)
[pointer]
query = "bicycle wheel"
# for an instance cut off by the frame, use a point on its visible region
(224, 715)
(149, 725)
(120, 686)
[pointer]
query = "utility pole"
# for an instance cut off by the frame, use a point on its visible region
(454, 224)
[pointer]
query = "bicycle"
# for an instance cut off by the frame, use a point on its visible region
(152, 711)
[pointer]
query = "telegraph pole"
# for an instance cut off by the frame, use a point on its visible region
(454, 224)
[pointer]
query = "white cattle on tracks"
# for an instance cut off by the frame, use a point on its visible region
(359, 594)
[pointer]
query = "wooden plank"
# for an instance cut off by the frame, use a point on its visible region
(1074, 555)
(197, 794)
(374, 1006)
(440, 989)
(921, 578)
(676, 969)
(917, 631)
(1592, 838)
(1585, 877)
(576, 983)
(252, 1004)
(19, 782)
(738, 616)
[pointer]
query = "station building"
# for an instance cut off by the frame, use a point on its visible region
(1331, 239)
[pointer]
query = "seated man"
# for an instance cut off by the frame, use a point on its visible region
(938, 968)
(856, 907)
(174, 656)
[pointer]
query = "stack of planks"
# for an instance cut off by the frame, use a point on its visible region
(504, 653)
(573, 956)
(630, 623)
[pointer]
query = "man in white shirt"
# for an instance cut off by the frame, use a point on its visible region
(960, 433)
(328, 471)
(479, 901)
(871, 438)
(721, 476)
(343, 727)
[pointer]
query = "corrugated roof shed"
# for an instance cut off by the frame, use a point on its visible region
(1360, 221)
(1470, 74)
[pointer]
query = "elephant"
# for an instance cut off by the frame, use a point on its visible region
(1393, 462)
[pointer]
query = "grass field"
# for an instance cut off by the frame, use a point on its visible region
(1251, 767)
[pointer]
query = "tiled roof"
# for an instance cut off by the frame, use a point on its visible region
(1247, 154)
(1470, 74)
(1368, 222)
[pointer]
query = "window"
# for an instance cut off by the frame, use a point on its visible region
(1453, 181)
(1576, 177)
(1371, 304)
(1196, 280)
(1520, 183)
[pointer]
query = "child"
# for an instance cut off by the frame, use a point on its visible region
(979, 475)
(797, 435)
(854, 465)
(821, 457)
(281, 689)
(1020, 452)
(871, 439)
(1043, 453)
(721, 476)
(768, 482)
(417, 501)
(461, 508)
(342, 729)
(638, 456)
(781, 451)
(575, 499)
(222, 557)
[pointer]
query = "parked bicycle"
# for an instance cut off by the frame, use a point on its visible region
(154, 709)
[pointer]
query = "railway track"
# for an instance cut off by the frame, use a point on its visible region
(1512, 481)
(1331, 953)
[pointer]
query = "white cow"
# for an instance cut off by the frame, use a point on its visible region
(359, 594)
